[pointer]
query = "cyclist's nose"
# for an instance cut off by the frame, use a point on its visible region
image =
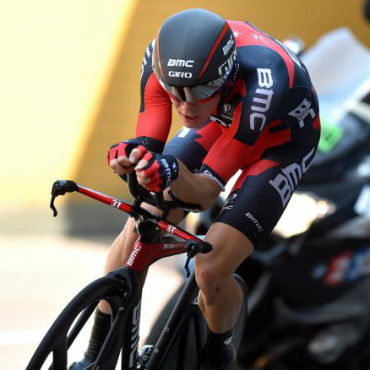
(188, 108)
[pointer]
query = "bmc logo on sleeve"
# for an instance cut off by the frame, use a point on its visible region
(262, 99)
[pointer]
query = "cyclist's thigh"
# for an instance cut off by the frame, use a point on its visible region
(263, 189)
(192, 145)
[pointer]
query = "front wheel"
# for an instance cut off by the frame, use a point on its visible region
(73, 318)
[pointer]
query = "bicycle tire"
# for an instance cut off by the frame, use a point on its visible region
(62, 334)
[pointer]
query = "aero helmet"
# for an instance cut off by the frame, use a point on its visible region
(194, 54)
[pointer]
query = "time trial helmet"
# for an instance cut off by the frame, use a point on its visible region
(194, 54)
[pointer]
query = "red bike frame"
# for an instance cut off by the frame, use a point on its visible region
(144, 254)
(150, 246)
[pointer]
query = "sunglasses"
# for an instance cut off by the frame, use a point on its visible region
(195, 93)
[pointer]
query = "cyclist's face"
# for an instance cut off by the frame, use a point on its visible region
(196, 114)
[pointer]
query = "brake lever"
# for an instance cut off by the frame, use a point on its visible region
(60, 187)
(192, 248)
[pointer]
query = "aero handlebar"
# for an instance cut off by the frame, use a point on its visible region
(194, 244)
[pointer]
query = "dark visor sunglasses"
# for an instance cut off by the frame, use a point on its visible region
(193, 93)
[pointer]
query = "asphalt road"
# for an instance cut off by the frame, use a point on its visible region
(40, 274)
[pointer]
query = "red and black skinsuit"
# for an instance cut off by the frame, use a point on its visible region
(267, 125)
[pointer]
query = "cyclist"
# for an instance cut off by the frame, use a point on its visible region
(247, 103)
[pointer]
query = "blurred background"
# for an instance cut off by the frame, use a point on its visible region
(69, 88)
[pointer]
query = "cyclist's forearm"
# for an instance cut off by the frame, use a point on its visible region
(193, 188)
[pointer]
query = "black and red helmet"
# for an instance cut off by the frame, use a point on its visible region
(194, 54)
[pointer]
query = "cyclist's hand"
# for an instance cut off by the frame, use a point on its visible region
(156, 171)
(123, 157)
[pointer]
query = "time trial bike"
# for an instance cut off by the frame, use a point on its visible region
(184, 334)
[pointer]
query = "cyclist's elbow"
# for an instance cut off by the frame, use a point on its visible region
(210, 190)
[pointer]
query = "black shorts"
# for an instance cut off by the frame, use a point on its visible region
(263, 189)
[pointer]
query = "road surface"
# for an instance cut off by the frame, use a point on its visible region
(39, 274)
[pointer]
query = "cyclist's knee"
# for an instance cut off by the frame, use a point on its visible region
(210, 278)
(214, 270)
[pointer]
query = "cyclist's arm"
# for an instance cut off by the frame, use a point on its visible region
(153, 122)
(155, 116)
(195, 188)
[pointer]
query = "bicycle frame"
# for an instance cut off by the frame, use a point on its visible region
(128, 323)
(147, 249)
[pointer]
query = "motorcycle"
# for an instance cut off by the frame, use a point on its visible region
(309, 283)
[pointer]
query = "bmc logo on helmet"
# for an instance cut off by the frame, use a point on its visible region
(180, 63)
(180, 74)
(226, 48)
